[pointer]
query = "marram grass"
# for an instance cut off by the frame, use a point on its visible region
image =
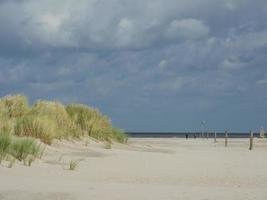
(48, 120)
(73, 165)
(5, 142)
(14, 106)
(19, 148)
(56, 112)
(25, 148)
(38, 127)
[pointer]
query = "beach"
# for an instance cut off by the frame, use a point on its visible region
(144, 169)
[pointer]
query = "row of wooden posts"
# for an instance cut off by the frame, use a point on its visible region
(251, 137)
(226, 139)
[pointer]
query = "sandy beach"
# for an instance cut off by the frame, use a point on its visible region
(144, 169)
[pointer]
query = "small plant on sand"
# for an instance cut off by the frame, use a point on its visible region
(73, 164)
(86, 142)
(29, 160)
(11, 161)
(107, 145)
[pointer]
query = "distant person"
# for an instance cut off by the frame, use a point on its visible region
(186, 135)
(195, 135)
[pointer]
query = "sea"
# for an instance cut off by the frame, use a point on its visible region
(189, 134)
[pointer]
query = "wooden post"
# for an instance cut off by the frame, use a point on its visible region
(262, 134)
(226, 139)
(215, 137)
(251, 140)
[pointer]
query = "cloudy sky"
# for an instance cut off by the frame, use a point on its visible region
(151, 65)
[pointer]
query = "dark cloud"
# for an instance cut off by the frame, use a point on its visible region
(150, 65)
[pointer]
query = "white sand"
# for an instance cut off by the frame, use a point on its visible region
(146, 169)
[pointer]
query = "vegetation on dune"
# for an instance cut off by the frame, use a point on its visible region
(93, 123)
(57, 113)
(5, 142)
(47, 120)
(73, 164)
(13, 106)
(20, 124)
(119, 135)
(20, 148)
(25, 149)
(38, 127)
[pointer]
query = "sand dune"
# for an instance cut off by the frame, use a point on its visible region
(143, 169)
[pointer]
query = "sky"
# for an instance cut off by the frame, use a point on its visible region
(150, 65)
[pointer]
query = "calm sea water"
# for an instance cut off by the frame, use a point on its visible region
(190, 135)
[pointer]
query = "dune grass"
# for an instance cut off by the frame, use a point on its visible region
(38, 127)
(107, 145)
(21, 125)
(73, 165)
(92, 122)
(119, 135)
(56, 112)
(48, 120)
(19, 148)
(14, 106)
(25, 149)
(5, 142)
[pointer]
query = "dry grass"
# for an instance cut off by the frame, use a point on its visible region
(40, 127)
(47, 120)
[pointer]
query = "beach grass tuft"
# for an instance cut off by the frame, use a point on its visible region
(5, 142)
(73, 164)
(92, 122)
(107, 145)
(14, 106)
(11, 161)
(25, 149)
(37, 127)
(19, 148)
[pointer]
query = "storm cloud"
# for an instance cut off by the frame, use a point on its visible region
(151, 65)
